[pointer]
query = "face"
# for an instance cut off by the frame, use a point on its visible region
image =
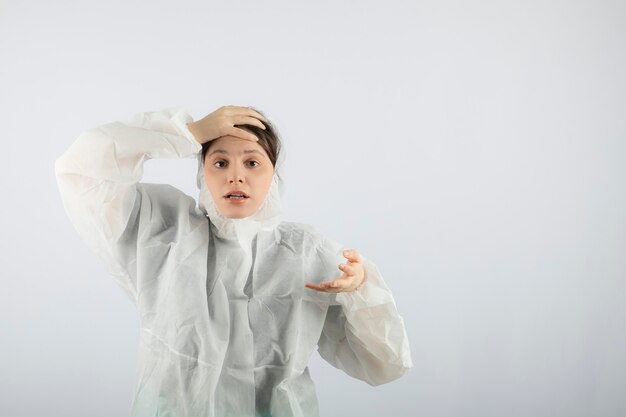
(235, 164)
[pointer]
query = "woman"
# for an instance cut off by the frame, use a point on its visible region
(232, 300)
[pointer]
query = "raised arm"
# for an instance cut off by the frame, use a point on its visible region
(98, 178)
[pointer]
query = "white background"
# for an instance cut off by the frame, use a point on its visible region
(474, 150)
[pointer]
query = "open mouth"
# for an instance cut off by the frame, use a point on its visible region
(236, 196)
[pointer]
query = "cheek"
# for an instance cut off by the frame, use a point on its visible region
(262, 183)
(210, 179)
(268, 178)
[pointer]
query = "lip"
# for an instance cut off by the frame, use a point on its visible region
(235, 201)
(236, 192)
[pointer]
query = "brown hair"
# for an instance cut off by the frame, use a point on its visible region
(268, 139)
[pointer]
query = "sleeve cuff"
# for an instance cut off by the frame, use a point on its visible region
(180, 118)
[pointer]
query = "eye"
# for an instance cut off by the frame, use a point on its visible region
(256, 162)
(217, 162)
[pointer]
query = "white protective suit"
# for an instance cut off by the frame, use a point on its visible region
(227, 325)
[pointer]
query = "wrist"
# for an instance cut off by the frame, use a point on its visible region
(193, 128)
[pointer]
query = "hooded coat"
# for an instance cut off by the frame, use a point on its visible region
(226, 324)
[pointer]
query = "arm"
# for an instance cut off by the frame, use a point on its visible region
(363, 334)
(98, 179)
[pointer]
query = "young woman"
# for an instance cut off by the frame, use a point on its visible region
(232, 300)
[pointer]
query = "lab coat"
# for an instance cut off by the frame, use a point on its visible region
(227, 326)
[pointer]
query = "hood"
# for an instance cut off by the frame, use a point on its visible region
(267, 217)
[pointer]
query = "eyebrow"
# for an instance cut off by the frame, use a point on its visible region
(245, 151)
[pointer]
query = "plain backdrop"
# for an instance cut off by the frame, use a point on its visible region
(474, 150)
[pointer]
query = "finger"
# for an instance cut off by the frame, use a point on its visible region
(313, 286)
(347, 269)
(337, 285)
(248, 111)
(316, 287)
(352, 255)
(240, 133)
(243, 111)
(327, 286)
(247, 120)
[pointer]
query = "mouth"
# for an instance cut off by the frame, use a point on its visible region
(236, 195)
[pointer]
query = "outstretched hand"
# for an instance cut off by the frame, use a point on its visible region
(353, 275)
(222, 122)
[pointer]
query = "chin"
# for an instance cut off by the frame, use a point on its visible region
(237, 212)
(236, 215)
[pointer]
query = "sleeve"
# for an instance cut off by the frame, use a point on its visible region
(363, 334)
(98, 178)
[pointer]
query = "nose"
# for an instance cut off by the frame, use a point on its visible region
(235, 176)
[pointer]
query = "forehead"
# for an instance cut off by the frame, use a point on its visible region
(231, 145)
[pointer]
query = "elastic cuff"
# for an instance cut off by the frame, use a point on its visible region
(180, 119)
